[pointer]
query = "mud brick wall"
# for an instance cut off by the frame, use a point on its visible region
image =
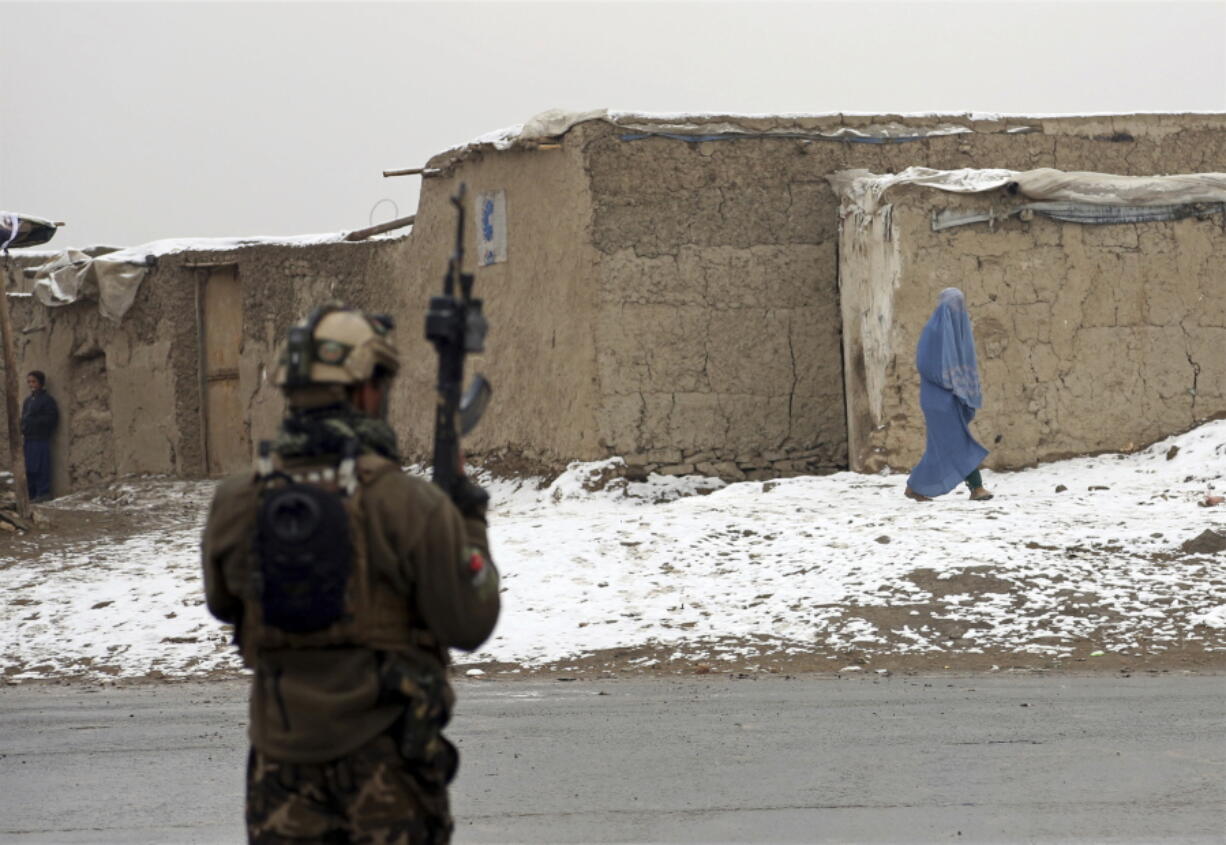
(130, 393)
(115, 385)
(675, 302)
(719, 339)
(540, 304)
(695, 282)
(718, 330)
(1090, 337)
(281, 284)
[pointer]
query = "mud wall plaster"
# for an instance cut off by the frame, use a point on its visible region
(1090, 337)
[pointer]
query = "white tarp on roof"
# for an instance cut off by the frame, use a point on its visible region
(863, 189)
(548, 124)
(73, 275)
(114, 278)
(1110, 189)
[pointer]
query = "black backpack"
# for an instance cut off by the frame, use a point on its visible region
(304, 549)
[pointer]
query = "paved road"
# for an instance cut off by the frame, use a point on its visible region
(903, 759)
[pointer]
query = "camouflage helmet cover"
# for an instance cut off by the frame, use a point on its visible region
(342, 346)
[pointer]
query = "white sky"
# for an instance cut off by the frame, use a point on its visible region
(134, 122)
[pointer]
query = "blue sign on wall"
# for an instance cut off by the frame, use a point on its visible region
(491, 228)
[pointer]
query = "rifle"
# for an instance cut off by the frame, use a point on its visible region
(456, 326)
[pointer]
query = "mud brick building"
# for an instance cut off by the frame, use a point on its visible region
(1091, 336)
(671, 289)
(180, 383)
(686, 292)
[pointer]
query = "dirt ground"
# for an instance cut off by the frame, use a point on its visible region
(659, 663)
(112, 511)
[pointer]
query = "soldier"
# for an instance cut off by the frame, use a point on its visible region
(346, 581)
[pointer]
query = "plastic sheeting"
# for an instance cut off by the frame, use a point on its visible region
(547, 124)
(865, 190)
(113, 278)
(22, 230)
(1073, 212)
(72, 275)
(1110, 189)
(1073, 197)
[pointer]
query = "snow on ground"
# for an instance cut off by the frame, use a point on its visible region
(114, 606)
(830, 563)
(846, 561)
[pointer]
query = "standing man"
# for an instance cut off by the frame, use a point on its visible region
(39, 417)
(347, 581)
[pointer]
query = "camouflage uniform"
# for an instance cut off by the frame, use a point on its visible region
(369, 795)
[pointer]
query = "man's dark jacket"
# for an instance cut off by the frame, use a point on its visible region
(39, 416)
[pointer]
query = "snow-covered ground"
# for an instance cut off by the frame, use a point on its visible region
(813, 564)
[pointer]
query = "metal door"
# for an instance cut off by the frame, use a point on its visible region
(227, 447)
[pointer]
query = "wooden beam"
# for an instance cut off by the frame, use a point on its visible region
(380, 228)
(411, 171)
(17, 455)
(17, 523)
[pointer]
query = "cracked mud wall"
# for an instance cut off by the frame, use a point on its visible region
(672, 301)
(1090, 337)
(719, 338)
(114, 386)
(130, 394)
(540, 304)
(280, 285)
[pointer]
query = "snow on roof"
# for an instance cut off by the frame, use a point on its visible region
(795, 566)
(114, 277)
(556, 122)
(136, 254)
(173, 246)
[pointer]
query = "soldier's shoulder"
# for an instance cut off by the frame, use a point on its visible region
(233, 485)
(234, 492)
(386, 478)
(235, 502)
(424, 492)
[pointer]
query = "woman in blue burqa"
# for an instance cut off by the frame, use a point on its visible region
(949, 397)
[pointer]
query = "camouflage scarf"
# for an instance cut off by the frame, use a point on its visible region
(308, 432)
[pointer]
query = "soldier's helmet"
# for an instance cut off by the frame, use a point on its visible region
(337, 345)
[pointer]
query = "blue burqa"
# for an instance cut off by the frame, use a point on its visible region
(949, 395)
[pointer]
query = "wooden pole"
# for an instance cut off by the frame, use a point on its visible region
(380, 228)
(17, 455)
(412, 171)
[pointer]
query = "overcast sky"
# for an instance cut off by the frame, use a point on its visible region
(134, 122)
